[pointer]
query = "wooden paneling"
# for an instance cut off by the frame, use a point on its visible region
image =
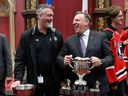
(97, 9)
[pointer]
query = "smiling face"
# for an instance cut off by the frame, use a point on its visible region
(45, 18)
(114, 16)
(118, 19)
(80, 23)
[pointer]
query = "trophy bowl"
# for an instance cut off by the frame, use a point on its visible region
(24, 90)
(81, 68)
(82, 65)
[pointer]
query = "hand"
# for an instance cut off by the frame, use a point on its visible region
(125, 42)
(8, 80)
(15, 83)
(95, 61)
(68, 59)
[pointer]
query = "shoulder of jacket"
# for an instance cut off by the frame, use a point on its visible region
(28, 32)
(56, 32)
(108, 30)
(71, 37)
(2, 35)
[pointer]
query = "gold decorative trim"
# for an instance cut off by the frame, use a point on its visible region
(107, 3)
(4, 8)
(126, 10)
(4, 14)
(101, 23)
(101, 4)
(12, 27)
(33, 21)
(33, 4)
(7, 8)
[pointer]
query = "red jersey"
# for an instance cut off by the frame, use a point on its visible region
(124, 36)
(117, 72)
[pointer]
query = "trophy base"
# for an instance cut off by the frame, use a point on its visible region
(80, 82)
(65, 92)
(94, 90)
(80, 88)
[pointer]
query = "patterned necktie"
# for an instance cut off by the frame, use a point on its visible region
(83, 47)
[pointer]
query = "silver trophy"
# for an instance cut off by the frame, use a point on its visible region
(82, 66)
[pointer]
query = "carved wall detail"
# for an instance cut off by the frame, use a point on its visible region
(99, 13)
(33, 4)
(29, 13)
(33, 21)
(101, 3)
(7, 8)
(126, 10)
(108, 3)
(4, 8)
(101, 23)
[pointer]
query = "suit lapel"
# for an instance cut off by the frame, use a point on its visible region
(90, 41)
(33, 53)
(78, 45)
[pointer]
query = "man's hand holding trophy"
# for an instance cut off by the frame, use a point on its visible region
(81, 66)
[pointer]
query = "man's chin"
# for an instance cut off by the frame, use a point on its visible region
(77, 32)
(48, 26)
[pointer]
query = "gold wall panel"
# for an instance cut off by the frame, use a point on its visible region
(4, 8)
(100, 23)
(99, 12)
(29, 13)
(126, 9)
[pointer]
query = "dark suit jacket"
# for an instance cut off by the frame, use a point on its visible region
(26, 56)
(97, 46)
(5, 58)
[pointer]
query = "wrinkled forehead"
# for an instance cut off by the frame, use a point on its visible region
(48, 10)
(79, 16)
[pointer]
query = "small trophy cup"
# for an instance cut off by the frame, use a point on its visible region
(96, 88)
(81, 67)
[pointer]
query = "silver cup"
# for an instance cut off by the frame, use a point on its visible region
(82, 67)
(24, 90)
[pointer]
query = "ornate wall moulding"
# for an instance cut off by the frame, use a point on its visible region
(4, 8)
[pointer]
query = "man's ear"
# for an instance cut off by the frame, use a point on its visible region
(40, 15)
(86, 22)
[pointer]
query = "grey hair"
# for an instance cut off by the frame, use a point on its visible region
(87, 16)
(41, 8)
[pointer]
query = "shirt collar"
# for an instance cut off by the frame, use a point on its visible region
(113, 28)
(86, 33)
(39, 33)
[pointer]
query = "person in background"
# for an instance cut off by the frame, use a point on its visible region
(96, 48)
(124, 38)
(5, 64)
(37, 51)
(116, 73)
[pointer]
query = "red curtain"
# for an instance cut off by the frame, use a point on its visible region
(91, 7)
(41, 1)
(19, 20)
(64, 13)
(4, 26)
